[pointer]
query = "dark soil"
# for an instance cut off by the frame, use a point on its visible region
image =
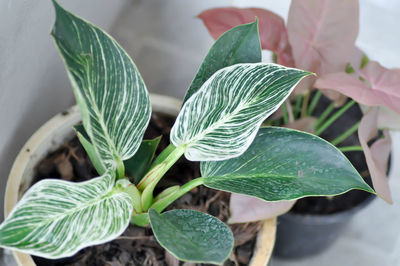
(330, 205)
(137, 245)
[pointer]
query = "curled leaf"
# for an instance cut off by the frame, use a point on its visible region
(377, 155)
(246, 209)
(273, 32)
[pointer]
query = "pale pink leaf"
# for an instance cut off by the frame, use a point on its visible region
(387, 118)
(376, 156)
(381, 86)
(306, 124)
(273, 34)
(246, 209)
(322, 33)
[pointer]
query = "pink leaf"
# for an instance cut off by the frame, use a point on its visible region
(272, 28)
(381, 85)
(322, 33)
(246, 209)
(306, 124)
(376, 156)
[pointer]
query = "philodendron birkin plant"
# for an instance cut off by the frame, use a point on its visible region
(218, 125)
(320, 36)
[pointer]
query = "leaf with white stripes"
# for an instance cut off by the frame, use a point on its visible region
(222, 118)
(109, 90)
(56, 218)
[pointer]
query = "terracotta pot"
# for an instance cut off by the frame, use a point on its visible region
(58, 130)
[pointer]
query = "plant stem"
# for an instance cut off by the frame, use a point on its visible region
(334, 117)
(297, 106)
(314, 102)
(325, 114)
(166, 201)
(120, 169)
(346, 134)
(305, 104)
(350, 148)
(151, 179)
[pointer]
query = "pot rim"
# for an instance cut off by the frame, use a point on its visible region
(43, 139)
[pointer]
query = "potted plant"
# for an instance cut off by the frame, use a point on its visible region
(218, 125)
(320, 37)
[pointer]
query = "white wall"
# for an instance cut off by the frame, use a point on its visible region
(33, 82)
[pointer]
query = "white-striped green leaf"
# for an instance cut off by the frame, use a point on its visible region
(285, 164)
(222, 118)
(57, 218)
(109, 90)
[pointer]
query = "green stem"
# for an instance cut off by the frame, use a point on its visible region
(163, 203)
(296, 109)
(285, 114)
(140, 219)
(324, 115)
(334, 117)
(350, 148)
(120, 169)
(346, 134)
(314, 102)
(151, 179)
(129, 188)
(305, 104)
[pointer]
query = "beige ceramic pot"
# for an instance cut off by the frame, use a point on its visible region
(58, 130)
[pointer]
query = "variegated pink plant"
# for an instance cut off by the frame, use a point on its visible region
(320, 37)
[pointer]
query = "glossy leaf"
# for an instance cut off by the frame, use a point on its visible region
(110, 92)
(322, 33)
(56, 218)
(137, 166)
(221, 119)
(273, 32)
(377, 155)
(238, 45)
(192, 235)
(90, 150)
(285, 164)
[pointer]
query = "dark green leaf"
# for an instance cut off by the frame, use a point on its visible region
(238, 45)
(192, 235)
(137, 166)
(285, 164)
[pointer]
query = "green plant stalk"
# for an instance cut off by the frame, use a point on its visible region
(325, 114)
(346, 134)
(296, 108)
(154, 176)
(120, 169)
(334, 117)
(126, 186)
(164, 202)
(314, 102)
(163, 155)
(304, 106)
(350, 148)
(140, 219)
(285, 114)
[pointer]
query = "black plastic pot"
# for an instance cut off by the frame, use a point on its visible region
(304, 235)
